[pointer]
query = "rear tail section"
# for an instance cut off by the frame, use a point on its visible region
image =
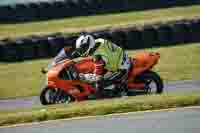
(142, 62)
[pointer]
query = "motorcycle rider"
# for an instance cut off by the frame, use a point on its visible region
(99, 72)
(107, 56)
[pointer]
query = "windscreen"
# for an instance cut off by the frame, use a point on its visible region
(62, 55)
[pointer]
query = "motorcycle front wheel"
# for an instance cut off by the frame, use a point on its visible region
(54, 96)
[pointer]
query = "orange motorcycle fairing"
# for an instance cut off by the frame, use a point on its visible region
(85, 65)
(80, 89)
(76, 88)
(141, 63)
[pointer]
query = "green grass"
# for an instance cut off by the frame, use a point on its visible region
(102, 107)
(24, 78)
(21, 79)
(84, 23)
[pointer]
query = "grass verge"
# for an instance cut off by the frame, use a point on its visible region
(24, 78)
(79, 23)
(101, 107)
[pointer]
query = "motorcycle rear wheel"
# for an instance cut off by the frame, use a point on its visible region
(54, 96)
(153, 82)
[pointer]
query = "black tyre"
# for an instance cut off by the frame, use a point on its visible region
(154, 84)
(54, 96)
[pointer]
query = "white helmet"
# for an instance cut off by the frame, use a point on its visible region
(85, 43)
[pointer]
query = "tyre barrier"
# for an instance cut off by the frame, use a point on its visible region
(26, 49)
(46, 10)
(103, 34)
(132, 37)
(69, 8)
(195, 30)
(179, 32)
(118, 37)
(42, 47)
(9, 51)
(55, 44)
(22, 12)
(60, 9)
(35, 10)
(149, 36)
(7, 13)
(164, 34)
(1, 50)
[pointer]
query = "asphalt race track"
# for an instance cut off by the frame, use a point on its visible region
(175, 86)
(182, 120)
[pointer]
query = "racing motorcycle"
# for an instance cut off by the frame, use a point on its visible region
(72, 80)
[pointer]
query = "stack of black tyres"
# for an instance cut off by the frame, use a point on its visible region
(149, 37)
(7, 13)
(195, 30)
(135, 37)
(9, 50)
(70, 8)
